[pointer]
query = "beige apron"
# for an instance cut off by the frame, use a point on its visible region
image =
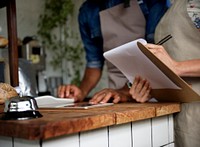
(184, 45)
(120, 25)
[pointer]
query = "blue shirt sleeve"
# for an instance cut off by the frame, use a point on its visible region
(91, 36)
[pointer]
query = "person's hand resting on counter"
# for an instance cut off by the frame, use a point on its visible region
(79, 93)
(139, 92)
(111, 95)
(70, 91)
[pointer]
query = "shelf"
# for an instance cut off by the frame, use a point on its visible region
(12, 37)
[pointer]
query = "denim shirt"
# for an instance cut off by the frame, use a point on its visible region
(90, 30)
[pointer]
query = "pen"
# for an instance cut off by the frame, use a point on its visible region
(129, 84)
(164, 40)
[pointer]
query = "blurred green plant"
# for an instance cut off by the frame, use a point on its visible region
(58, 38)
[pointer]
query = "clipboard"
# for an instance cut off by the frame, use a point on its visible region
(166, 85)
(185, 94)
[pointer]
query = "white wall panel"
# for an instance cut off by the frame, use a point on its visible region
(171, 128)
(120, 135)
(160, 131)
(141, 131)
(25, 143)
(64, 141)
(5, 141)
(94, 138)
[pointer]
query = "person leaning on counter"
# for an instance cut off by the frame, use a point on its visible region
(140, 90)
(101, 31)
(182, 55)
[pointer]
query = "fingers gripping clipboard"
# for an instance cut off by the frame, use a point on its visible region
(134, 59)
(185, 94)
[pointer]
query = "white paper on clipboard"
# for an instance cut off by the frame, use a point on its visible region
(129, 59)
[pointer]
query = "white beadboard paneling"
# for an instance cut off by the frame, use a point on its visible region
(141, 131)
(171, 128)
(5, 141)
(64, 141)
(94, 138)
(160, 131)
(120, 135)
(169, 145)
(26, 143)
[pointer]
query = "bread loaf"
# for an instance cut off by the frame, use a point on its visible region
(3, 42)
(6, 92)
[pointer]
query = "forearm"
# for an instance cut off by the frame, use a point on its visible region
(90, 79)
(189, 68)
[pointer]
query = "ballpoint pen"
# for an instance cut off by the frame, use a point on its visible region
(164, 40)
(129, 84)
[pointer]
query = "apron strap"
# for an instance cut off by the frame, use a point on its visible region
(126, 3)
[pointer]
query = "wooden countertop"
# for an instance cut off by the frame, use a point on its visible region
(59, 121)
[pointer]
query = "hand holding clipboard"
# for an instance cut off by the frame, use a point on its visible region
(134, 58)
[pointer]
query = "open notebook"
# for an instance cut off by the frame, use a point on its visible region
(49, 101)
(134, 59)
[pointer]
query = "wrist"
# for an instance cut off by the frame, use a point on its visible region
(178, 69)
(125, 96)
(83, 94)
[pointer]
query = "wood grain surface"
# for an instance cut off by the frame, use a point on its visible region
(60, 121)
